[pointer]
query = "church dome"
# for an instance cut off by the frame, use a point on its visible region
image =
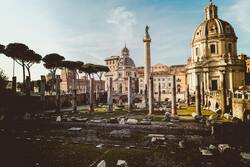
(213, 27)
(125, 60)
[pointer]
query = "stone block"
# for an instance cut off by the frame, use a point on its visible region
(124, 133)
(101, 164)
(122, 163)
(206, 152)
(223, 147)
(245, 156)
(228, 116)
(58, 119)
(132, 121)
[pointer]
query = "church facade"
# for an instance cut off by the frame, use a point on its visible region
(121, 67)
(214, 66)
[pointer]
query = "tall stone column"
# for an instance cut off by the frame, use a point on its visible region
(147, 57)
(173, 96)
(14, 85)
(223, 92)
(42, 88)
(110, 95)
(198, 95)
(151, 96)
(129, 94)
(74, 98)
(91, 99)
(188, 95)
(58, 94)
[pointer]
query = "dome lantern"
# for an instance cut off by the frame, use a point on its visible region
(211, 11)
(125, 51)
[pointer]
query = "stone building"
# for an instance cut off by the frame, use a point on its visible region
(248, 65)
(82, 83)
(162, 75)
(214, 64)
(121, 67)
(248, 72)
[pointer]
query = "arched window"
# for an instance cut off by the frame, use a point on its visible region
(212, 48)
(197, 51)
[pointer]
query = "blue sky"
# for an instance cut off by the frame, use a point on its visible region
(90, 30)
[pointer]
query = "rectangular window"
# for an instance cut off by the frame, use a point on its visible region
(214, 85)
(230, 48)
(212, 48)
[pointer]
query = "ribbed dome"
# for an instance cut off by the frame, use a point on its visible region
(213, 27)
(125, 62)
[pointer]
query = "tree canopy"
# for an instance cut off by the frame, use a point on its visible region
(102, 68)
(32, 57)
(17, 51)
(2, 49)
(72, 65)
(53, 60)
(88, 68)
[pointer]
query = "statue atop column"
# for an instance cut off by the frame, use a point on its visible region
(146, 29)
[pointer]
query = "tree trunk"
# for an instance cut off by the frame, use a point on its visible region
(28, 80)
(24, 85)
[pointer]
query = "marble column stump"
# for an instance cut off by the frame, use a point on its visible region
(151, 96)
(173, 104)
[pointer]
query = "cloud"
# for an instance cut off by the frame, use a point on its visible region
(123, 20)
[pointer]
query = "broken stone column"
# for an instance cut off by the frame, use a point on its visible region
(173, 113)
(146, 96)
(198, 95)
(223, 93)
(91, 94)
(159, 93)
(129, 94)
(203, 94)
(58, 94)
(97, 94)
(110, 95)
(14, 85)
(74, 98)
(42, 88)
(188, 96)
(151, 96)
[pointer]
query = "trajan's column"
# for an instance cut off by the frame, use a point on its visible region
(147, 57)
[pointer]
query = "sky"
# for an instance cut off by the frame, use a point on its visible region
(91, 30)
